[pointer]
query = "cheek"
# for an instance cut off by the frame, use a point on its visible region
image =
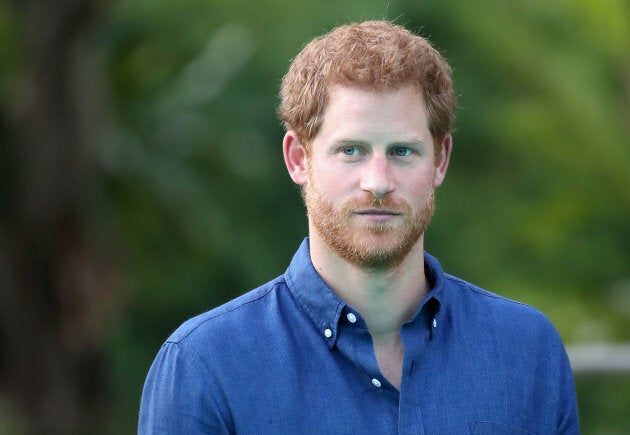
(331, 182)
(421, 187)
(331, 191)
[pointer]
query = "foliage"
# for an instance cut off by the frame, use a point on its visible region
(193, 190)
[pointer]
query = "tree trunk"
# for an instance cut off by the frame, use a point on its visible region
(56, 292)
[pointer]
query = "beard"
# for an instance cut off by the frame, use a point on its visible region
(371, 245)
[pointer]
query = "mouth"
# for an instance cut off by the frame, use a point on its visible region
(377, 212)
(377, 215)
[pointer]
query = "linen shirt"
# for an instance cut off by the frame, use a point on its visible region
(290, 357)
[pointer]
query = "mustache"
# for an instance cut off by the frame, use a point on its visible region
(378, 203)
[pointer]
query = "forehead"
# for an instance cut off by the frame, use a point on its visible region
(357, 111)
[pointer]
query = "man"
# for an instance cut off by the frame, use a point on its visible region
(364, 333)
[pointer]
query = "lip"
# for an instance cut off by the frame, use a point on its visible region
(377, 211)
(377, 215)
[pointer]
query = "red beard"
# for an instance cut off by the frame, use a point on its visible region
(374, 245)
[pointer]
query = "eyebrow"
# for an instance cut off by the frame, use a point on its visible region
(411, 142)
(350, 142)
(405, 142)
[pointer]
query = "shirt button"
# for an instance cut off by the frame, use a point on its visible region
(376, 383)
(351, 318)
(327, 333)
(435, 323)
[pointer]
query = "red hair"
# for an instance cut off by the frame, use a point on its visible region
(375, 55)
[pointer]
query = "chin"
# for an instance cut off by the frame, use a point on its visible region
(377, 250)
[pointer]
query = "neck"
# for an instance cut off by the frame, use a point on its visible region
(386, 298)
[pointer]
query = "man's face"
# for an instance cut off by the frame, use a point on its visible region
(371, 175)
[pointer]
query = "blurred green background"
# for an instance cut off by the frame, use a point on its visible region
(142, 179)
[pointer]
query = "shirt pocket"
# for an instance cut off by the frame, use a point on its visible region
(492, 428)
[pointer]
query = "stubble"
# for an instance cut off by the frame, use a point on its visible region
(370, 245)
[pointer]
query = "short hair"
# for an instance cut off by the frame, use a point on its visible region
(376, 55)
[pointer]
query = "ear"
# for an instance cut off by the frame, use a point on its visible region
(442, 160)
(295, 157)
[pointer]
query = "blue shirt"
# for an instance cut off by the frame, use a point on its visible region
(290, 357)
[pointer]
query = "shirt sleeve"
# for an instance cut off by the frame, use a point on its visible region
(568, 423)
(180, 397)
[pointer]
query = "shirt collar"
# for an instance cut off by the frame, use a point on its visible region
(324, 307)
(435, 298)
(435, 277)
(321, 304)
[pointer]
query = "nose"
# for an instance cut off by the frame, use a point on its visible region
(376, 177)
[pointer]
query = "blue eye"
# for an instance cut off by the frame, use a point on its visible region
(401, 152)
(350, 151)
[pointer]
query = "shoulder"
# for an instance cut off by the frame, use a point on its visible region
(244, 311)
(493, 310)
(479, 308)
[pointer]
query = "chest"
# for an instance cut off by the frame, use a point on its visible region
(389, 356)
(344, 389)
